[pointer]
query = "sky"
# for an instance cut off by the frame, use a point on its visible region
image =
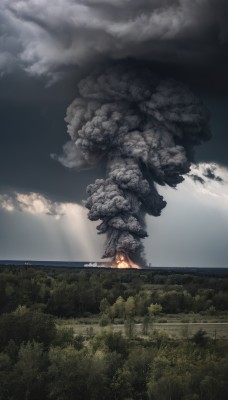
(45, 49)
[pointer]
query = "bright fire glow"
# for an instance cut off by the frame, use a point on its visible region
(122, 261)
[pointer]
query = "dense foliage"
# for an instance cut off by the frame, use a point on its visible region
(74, 293)
(42, 360)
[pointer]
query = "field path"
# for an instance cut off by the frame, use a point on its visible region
(178, 330)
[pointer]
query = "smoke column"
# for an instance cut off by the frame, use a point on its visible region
(144, 127)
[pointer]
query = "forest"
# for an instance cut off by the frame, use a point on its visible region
(41, 356)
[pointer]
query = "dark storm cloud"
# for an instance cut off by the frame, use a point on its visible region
(32, 126)
(209, 173)
(197, 178)
(61, 39)
(216, 149)
(205, 173)
(47, 37)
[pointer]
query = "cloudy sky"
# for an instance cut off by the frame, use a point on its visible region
(45, 49)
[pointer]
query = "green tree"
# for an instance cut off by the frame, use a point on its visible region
(76, 375)
(24, 326)
(121, 386)
(154, 309)
(30, 372)
(64, 337)
(129, 307)
(5, 376)
(200, 338)
(139, 364)
(111, 341)
(168, 387)
(119, 307)
(104, 306)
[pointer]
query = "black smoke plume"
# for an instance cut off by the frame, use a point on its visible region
(144, 127)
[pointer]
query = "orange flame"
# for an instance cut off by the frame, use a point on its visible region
(122, 261)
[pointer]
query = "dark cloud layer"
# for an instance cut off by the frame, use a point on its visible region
(58, 42)
(46, 38)
(216, 148)
(65, 39)
(32, 126)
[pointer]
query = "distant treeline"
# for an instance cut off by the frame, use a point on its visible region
(114, 293)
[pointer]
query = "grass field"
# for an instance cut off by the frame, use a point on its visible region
(175, 330)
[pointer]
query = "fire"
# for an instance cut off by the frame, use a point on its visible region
(122, 261)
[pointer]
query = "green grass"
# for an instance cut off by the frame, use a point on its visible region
(175, 326)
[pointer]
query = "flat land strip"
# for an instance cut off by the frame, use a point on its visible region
(175, 330)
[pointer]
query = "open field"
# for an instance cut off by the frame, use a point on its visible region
(175, 330)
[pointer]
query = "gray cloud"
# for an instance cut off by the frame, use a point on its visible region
(45, 38)
(32, 203)
(193, 229)
(63, 39)
(202, 209)
(205, 172)
(197, 178)
(210, 174)
(32, 127)
(34, 227)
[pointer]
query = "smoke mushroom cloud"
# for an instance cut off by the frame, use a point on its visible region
(144, 127)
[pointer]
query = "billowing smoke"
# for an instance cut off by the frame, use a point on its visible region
(143, 126)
